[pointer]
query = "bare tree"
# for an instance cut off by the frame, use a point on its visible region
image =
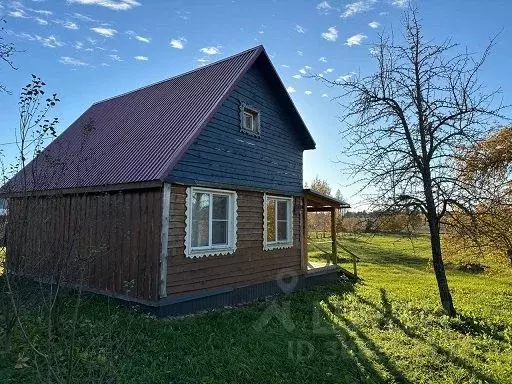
(7, 50)
(405, 123)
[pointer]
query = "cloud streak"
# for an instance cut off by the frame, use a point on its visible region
(66, 60)
(116, 5)
(104, 31)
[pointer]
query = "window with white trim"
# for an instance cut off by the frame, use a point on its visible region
(278, 222)
(249, 120)
(211, 222)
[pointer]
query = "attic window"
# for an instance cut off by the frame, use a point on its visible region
(249, 120)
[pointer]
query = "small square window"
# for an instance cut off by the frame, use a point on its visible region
(249, 120)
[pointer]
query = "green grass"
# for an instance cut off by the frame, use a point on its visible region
(387, 328)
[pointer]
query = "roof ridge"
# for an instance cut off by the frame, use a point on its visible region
(258, 47)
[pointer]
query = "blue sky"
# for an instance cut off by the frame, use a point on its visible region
(88, 50)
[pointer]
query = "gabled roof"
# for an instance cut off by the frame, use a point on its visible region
(140, 135)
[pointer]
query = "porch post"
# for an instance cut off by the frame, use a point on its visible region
(304, 261)
(333, 236)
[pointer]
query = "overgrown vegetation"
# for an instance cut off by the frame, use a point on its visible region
(388, 328)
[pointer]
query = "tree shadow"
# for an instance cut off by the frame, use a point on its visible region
(350, 337)
(386, 310)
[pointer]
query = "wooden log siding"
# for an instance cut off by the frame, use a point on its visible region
(103, 241)
(248, 264)
(222, 154)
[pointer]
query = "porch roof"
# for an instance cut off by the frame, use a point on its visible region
(318, 201)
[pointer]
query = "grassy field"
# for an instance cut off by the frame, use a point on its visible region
(386, 329)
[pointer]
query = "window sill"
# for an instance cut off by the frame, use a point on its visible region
(210, 252)
(281, 245)
(249, 132)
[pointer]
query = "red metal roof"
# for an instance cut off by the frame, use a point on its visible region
(140, 135)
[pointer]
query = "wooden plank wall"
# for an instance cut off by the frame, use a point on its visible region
(248, 264)
(222, 154)
(105, 241)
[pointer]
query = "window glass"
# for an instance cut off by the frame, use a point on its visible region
(220, 219)
(200, 219)
(282, 231)
(271, 224)
(248, 121)
(282, 210)
(220, 207)
(219, 232)
(278, 220)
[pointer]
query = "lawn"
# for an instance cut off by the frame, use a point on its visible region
(387, 328)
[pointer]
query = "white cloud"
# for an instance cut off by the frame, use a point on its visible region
(329, 70)
(41, 11)
(143, 39)
(324, 94)
(203, 60)
(141, 58)
(357, 7)
(116, 5)
(85, 18)
(323, 59)
(50, 41)
(104, 31)
(374, 24)
(300, 29)
(72, 61)
(308, 93)
(285, 66)
(115, 57)
(297, 76)
(138, 37)
(307, 67)
(343, 78)
(178, 43)
(70, 25)
(41, 21)
(355, 40)
(331, 34)
(302, 71)
(324, 7)
(290, 89)
(211, 50)
(300, 53)
(19, 13)
(400, 3)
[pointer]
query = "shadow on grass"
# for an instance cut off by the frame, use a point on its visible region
(386, 310)
(379, 368)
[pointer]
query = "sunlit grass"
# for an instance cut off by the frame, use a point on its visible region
(387, 328)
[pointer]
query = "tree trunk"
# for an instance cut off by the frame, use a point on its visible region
(437, 259)
(509, 254)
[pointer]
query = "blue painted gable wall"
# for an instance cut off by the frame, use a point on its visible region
(223, 155)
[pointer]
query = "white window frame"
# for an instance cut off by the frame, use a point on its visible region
(232, 224)
(255, 128)
(269, 245)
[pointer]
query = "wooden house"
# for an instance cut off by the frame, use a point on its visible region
(181, 195)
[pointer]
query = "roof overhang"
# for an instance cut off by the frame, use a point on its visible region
(317, 201)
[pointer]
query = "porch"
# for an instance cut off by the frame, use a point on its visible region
(321, 248)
